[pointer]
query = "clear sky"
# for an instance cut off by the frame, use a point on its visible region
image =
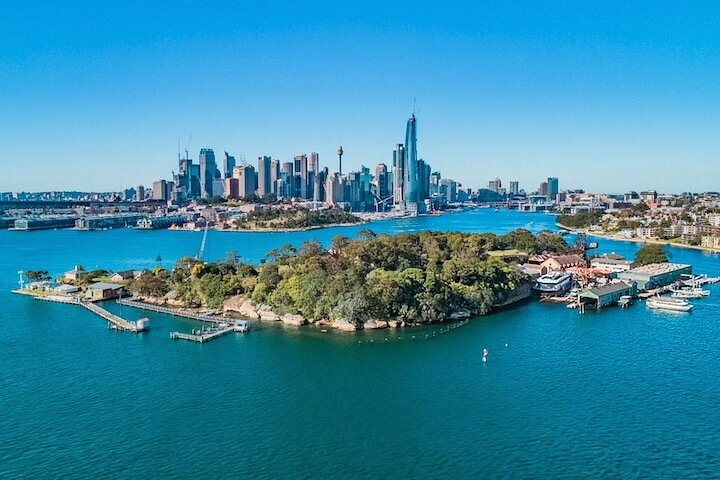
(604, 95)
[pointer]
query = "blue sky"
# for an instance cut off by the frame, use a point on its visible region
(604, 95)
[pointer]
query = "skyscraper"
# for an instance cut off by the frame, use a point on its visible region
(495, 185)
(228, 163)
(410, 168)
(398, 173)
(264, 172)
(553, 187)
(274, 175)
(514, 187)
(208, 172)
(301, 176)
(382, 181)
(247, 178)
(543, 189)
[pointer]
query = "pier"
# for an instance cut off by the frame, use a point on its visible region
(202, 317)
(114, 321)
(203, 336)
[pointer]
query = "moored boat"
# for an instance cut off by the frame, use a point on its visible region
(668, 303)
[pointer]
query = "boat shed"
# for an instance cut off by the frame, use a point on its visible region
(655, 275)
(104, 291)
(605, 295)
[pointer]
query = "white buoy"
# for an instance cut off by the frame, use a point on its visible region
(484, 355)
(506, 344)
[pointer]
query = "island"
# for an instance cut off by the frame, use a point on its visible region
(374, 281)
(297, 219)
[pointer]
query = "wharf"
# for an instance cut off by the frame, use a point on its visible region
(114, 322)
(202, 317)
(203, 336)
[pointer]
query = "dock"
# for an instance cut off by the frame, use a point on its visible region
(203, 336)
(202, 317)
(115, 322)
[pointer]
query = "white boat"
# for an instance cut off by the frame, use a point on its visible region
(690, 293)
(667, 303)
(553, 283)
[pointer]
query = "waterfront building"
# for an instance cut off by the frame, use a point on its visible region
(514, 187)
(264, 172)
(246, 180)
(208, 172)
(448, 188)
(398, 173)
(605, 295)
(611, 265)
(656, 274)
(553, 187)
(228, 163)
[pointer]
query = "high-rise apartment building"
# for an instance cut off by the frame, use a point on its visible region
(514, 187)
(553, 187)
(495, 185)
(398, 173)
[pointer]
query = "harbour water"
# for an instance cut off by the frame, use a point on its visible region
(621, 393)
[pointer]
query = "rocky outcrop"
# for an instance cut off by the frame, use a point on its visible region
(265, 312)
(375, 324)
(393, 323)
(240, 305)
(344, 325)
(290, 319)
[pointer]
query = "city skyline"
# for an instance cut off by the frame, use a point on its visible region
(99, 97)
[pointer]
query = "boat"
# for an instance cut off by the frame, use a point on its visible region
(625, 300)
(553, 284)
(668, 303)
(690, 293)
(497, 210)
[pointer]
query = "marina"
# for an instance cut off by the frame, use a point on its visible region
(175, 312)
(207, 334)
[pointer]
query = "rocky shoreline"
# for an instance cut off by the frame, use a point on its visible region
(285, 230)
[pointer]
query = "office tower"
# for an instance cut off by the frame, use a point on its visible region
(424, 179)
(340, 154)
(218, 188)
(228, 163)
(285, 187)
(514, 187)
(410, 168)
(543, 189)
(495, 185)
(208, 172)
(264, 172)
(194, 180)
(232, 187)
(301, 176)
(334, 189)
(140, 193)
(246, 180)
(274, 175)
(448, 188)
(398, 173)
(158, 190)
(553, 187)
(435, 178)
(382, 181)
(314, 162)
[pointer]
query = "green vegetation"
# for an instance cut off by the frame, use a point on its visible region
(294, 219)
(416, 278)
(580, 220)
(651, 253)
(37, 275)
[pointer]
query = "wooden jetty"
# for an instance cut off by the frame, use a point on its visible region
(115, 322)
(176, 312)
(211, 334)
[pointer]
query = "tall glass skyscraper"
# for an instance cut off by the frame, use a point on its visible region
(411, 173)
(208, 172)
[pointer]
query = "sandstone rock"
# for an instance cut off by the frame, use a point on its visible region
(393, 323)
(375, 324)
(344, 325)
(289, 319)
(268, 315)
(247, 310)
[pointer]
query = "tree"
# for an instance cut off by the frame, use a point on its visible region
(651, 253)
(37, 275)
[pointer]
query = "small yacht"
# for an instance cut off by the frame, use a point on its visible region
(668, 303)
(553, 283)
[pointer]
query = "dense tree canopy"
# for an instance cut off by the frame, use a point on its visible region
(294, 219)
(650, 253)
(580, 220)
(416, 278)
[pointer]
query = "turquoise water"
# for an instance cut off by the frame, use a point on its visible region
(616, 394)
